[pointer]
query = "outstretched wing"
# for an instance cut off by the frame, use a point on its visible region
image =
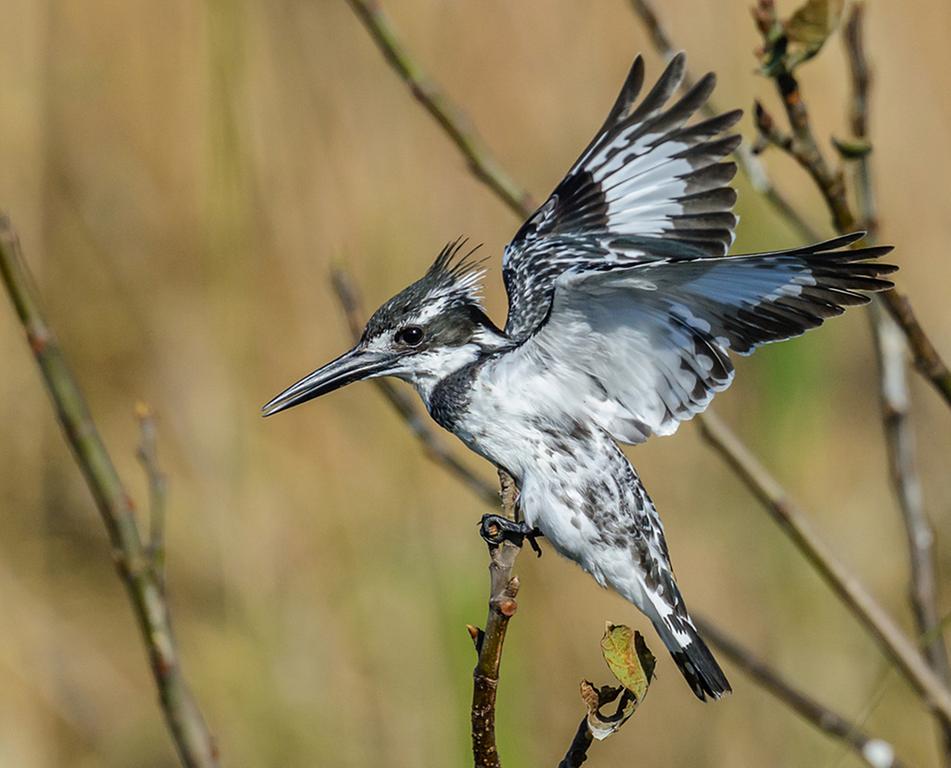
(642, 348)
(647, 186)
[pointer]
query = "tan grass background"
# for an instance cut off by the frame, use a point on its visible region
(184, 173)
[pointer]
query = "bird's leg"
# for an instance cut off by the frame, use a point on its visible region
(495, 529)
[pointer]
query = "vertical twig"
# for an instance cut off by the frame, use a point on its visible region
(803, 146)
(503, 589)
(185, 721)
(891, 352)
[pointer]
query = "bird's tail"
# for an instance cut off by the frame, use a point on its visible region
(694, 659)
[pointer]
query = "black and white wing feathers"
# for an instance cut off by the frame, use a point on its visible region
(644, 348)
(646, 181)
(621, 295)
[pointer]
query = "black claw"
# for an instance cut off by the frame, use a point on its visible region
(495, 529)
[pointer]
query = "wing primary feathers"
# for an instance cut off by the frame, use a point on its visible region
(663, 89)
(629, 93)
(643, 175)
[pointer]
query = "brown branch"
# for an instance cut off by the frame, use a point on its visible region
(577, 752)
(503, 589)
(745, 157)
(804, 148)
(891, 351)
(873, 751)
(928, 362)
(735, 452)
(596, 699)
(890, 639)
(192, 739)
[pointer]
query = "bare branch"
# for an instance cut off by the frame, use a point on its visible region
(503, 589)
(453, 122)
(892, 641)
(577, 752)
(875, 752)
(804, 148)
(927, 360)
(891, 352)
(192, 739)
(147, 454)
(746, 159)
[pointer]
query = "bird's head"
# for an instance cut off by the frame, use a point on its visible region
(426, 332)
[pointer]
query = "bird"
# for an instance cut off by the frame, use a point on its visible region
(624, 308)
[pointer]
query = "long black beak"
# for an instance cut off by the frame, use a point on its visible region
(352, 366)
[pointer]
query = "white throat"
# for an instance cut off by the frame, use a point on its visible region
(425, 370)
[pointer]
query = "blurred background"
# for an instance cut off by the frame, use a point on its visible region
(184, 174)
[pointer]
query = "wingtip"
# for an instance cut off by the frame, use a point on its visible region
(676, 66)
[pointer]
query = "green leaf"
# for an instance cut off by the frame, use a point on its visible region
(632, 663)
(628, 658)
(852, 149)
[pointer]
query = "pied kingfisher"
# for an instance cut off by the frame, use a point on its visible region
(623, 306)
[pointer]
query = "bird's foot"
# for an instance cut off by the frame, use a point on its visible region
(495, 529)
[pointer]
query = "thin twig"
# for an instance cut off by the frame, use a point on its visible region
(891, 352)
(875, 752)
(453, 122)
(928, 362)
(577, 752)
(147, 454)
(746, 160)
(503, 589)
(192, 739)
(892, 641)
(736, 454)
(804, 148)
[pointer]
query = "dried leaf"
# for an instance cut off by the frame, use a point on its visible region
(628, 658)
(632, 664)
(808, 29)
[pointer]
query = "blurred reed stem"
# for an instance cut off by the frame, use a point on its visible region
(136, 568)
(891, 352)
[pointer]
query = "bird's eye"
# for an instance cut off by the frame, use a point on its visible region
(411, 335)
